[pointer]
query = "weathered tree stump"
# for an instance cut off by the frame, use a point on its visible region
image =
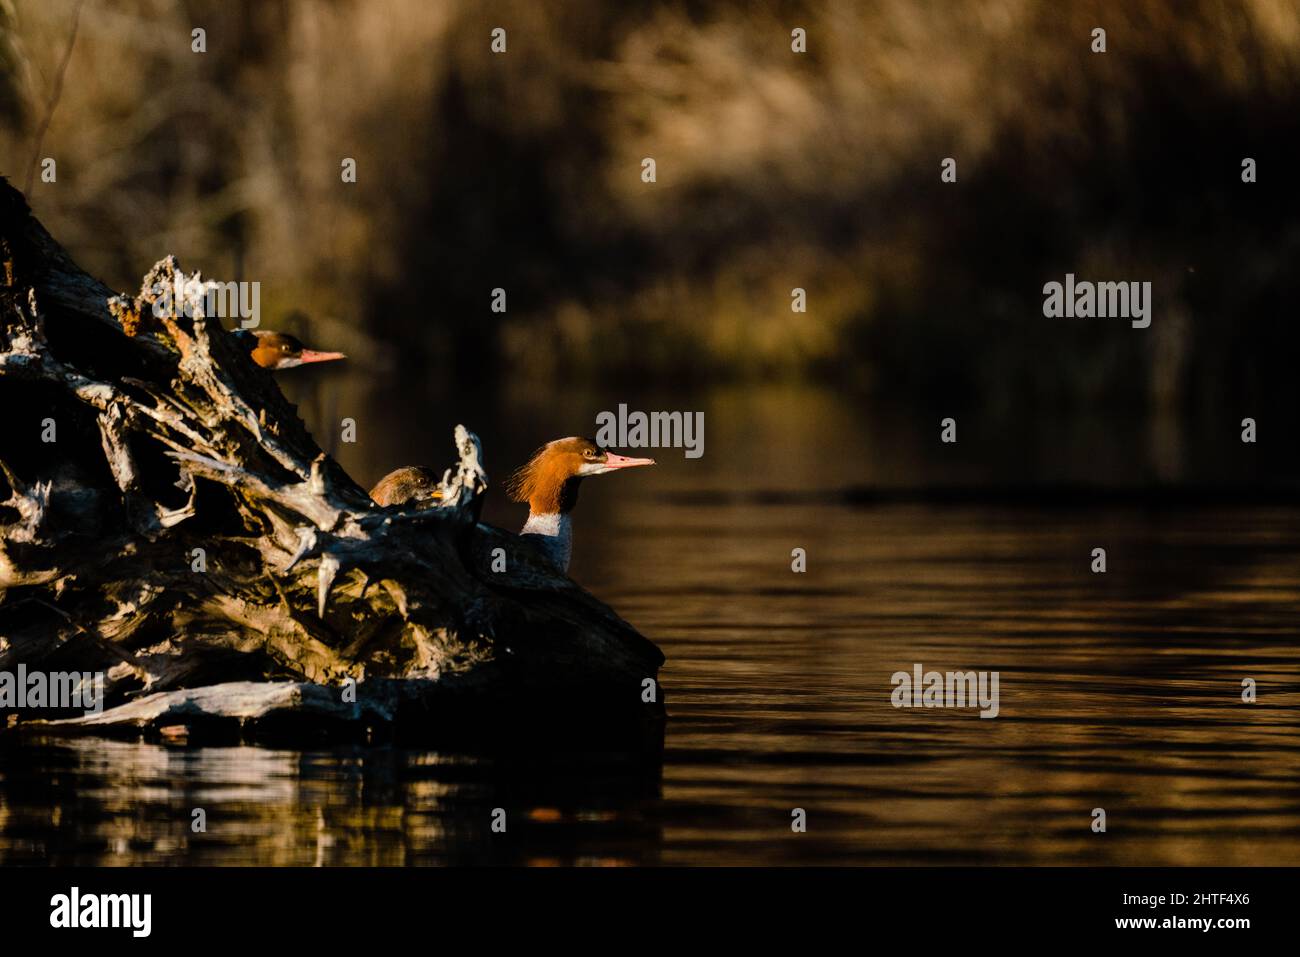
(183, 530)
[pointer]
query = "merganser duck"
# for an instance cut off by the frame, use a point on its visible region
(409, 484)
(548, 483)
(278, 350)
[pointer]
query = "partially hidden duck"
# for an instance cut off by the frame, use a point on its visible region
(279, 350)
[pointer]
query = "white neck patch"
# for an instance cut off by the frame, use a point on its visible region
(554, 531)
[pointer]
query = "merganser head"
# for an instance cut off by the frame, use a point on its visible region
(278, 350)
(549, 484)
(549, 481)
(409, 485)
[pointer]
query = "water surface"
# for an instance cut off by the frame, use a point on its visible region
(1119, 691)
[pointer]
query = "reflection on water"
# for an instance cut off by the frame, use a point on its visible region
(1120, 691)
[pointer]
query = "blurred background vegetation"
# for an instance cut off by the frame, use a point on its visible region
(775, 170)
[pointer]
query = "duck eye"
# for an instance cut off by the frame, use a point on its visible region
(588, 453)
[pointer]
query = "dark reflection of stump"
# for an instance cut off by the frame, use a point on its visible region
(79, 801)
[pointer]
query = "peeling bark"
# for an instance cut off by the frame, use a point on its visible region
(170, 439)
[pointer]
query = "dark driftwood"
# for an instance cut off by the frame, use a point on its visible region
(169, 439)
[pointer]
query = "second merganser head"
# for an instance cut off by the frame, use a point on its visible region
(279, 350)
(409, 485)
(549, 484)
